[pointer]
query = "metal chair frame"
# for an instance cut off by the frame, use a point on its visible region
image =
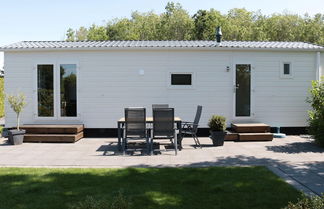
(191, 128)
(163, 127)
(135, 127)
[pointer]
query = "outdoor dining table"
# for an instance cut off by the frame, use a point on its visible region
(149, 120)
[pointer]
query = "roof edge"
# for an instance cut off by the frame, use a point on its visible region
(163, 48)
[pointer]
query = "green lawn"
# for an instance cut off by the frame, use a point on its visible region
(167, 188)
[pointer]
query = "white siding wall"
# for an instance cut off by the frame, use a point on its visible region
(1, 60)
(109, 81)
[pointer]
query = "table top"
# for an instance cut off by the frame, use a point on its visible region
(150, 119)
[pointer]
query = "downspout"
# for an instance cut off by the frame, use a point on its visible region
(318, 66)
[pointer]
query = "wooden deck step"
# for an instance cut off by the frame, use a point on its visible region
(250, 127)
(53, 129)
(53, 137)
(255, 136)
(230, 136)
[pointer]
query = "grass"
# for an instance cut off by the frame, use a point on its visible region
(213, 187)
(1, 97)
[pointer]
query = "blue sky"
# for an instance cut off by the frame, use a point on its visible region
(49, 19)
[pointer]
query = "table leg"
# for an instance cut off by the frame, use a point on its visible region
(179, 127)
(119, 135)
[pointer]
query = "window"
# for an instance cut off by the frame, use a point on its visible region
(178, 79)
(286, 70)
(45, 90)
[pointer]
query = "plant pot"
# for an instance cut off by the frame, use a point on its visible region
(218, 137)
(16, 137)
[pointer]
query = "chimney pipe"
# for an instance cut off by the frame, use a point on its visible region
(218, 34)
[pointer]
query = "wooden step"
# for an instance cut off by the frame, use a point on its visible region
(230, 136)
(250, 127)
(52, 129)
(255, 136)
(53, 137)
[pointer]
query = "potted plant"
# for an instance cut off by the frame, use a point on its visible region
(17, 103)
(217, 125)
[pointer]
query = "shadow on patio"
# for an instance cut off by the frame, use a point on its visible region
(296, 147)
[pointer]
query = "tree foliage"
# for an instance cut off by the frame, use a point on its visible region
(316, 115)
(175, 23)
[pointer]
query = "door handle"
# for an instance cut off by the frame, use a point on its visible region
(235, 88)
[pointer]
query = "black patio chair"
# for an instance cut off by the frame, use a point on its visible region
(163, 127)
(159, 106)
(135, 127)
(191, 128)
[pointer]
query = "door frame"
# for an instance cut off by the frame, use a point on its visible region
(252, 115)
(57, 93)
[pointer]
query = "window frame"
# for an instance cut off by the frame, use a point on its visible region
(57, 100)
(193, 80)
(282, 70)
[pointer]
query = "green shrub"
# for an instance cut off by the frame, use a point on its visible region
(217, 123)
(119, 202)
(316, 115)
(1, 97)
(314, 202)
(1, 129)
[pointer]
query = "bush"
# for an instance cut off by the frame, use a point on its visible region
(314, 202)
(316, 115)
(119, 202)
(217, 123)
(1, 97)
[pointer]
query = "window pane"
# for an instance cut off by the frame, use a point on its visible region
(286, 69)
(181, 79)
(45, 90)
(68, 90)
(243, 90)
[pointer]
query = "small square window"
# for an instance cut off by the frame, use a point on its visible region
(286, 69)
(181, 79)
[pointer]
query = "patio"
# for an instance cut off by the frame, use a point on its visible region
(294, 158)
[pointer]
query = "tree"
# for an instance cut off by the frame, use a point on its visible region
(145, 25)
(17, 103)
(176, 24)
(120, 29)
(70, 35)
(81, 34)
(239, 25)
(97, 33)
(316, 115)
(205, 23)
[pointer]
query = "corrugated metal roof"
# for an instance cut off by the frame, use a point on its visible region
(160, 44)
